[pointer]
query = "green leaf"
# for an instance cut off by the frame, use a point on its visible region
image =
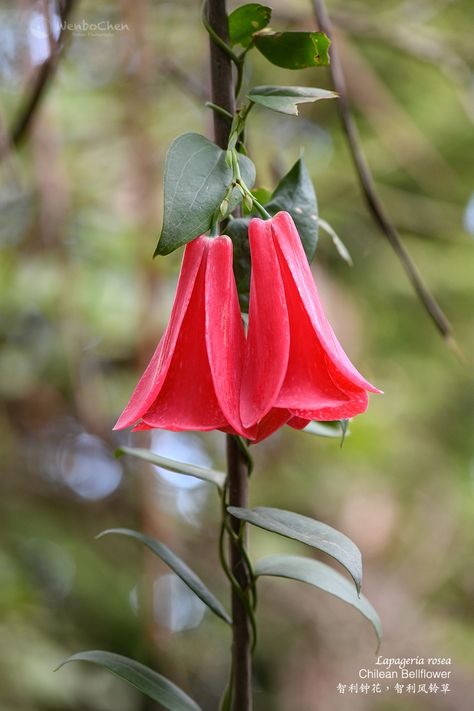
(211, 475)
(237, 230)
(245, 21)
(294, 50)
(295, 194)
(263, 195)
(195, 182)
(307, 530)
(286, 98)
(321, 576)
(337, 241)
(143, 678)
(322, 429)
(178, 566)
(345, 430)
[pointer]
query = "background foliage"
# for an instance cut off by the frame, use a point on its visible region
(82, 306)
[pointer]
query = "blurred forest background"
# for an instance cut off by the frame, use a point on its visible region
(83, 305)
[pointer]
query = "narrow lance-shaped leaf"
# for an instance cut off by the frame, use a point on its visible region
(337, 241)
(294, 50)
(314, 533)
(295, 194)
(195, 182)
(210, 475)
(143, 678)
(245, 21)
(285, 99)
(345, 430)
(321, 576)
(178, 566)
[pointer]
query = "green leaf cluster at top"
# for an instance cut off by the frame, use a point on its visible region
(245, 21)
(248, 27)
(204, 184)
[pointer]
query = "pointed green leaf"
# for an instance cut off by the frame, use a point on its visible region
(321, 576)
(345, 430)
(178, 566)
(210, 475)
(337, 241)
(322, 429)
(143, 678)
(195, 182)
(245, 21)
(307, 530)
(295, 194)
(294, 50)
(285, 99)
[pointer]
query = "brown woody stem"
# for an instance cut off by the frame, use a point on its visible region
(237, 464)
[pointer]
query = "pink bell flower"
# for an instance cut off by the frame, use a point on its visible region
(295, 369)
(193, 379)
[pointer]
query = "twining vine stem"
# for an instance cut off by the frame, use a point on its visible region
(238, 695)
(367, 182)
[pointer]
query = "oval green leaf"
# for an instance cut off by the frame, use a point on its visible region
(295, 194)
(195, 182)
(143, 678)
(178, 566)
(294, 50)
(285, 99)
(321, 576)
(210, 475)
(245, 21)
(306, 530)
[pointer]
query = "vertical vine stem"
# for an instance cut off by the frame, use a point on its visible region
(237, 469)
(240, 691)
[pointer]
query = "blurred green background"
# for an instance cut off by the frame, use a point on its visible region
(83, 305)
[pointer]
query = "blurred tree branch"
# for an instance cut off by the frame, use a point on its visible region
(367, 182)
(43, 77)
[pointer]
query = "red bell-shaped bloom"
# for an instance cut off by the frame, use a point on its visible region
(295, 369)
(193, 379)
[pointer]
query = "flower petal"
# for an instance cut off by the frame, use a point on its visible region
(152, 379)
(312, 388)
(187, 400)
(268, 337)
(291, 250)
(225, 336)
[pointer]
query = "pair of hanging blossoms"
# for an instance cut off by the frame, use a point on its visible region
(290, 368)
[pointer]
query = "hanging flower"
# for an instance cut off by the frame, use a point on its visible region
(295, 369)
(193, 379)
